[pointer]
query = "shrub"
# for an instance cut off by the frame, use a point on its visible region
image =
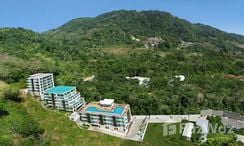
(239, 131)
(27, 142)
(5, 141)
(12, 95)
(26, 126)
(3, 112)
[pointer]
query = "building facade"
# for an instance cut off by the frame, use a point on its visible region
(37, 84)
(63, 98)
(108, 115)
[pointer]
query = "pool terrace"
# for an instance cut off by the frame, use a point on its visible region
(114, 109)
(60, 89)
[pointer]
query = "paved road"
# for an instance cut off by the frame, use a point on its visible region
(168, 118)
(133, 133)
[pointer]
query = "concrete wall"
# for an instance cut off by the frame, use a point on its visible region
(239, 124)
(218, 113)
(194, 117)
(167, 118)
(211, 112)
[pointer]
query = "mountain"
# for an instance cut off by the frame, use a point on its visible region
(131, 29)
(135, 29)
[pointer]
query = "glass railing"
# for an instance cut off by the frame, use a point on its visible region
(92, 117)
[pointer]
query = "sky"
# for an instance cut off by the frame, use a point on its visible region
(42, 15)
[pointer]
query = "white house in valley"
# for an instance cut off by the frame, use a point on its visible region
(107, 114)
(143, 81)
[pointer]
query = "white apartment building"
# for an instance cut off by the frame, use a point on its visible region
(37, 84)
(63, 98)
(106, 114)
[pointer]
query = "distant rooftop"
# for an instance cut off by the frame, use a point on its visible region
(107, 102)
(40, 75)
(187, 132)
(142, 80)
(60, 89)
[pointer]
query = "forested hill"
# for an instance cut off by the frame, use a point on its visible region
(134, 29)
(118, 44)
(25, 43)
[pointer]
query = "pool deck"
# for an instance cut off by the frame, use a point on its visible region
(107, 110)
(60, 89)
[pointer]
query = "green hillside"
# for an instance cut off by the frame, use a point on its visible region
(214, 76)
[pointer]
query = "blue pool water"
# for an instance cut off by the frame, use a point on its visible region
(60, 89)
(117, 110)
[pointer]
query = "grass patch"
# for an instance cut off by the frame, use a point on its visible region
(17, 126)
(154, 136)
(3, 87)
(124, 51)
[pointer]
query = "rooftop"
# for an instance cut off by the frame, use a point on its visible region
(187, 132)
(203, 123)
(142, 80)
(107, 102)
(60, 89)
(180, 77)
(40, 75)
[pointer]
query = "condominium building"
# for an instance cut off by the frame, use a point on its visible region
(37, 84)
(63, 98)
(106, 114)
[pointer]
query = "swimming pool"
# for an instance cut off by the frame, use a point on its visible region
(117, 110)
(60, 89)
